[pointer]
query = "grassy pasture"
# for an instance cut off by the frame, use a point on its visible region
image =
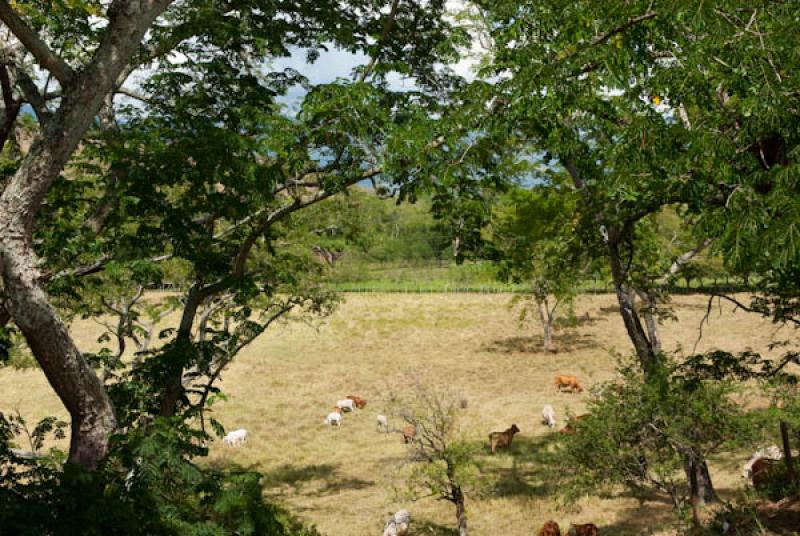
(283, 385)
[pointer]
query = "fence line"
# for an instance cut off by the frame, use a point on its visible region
(588, 286)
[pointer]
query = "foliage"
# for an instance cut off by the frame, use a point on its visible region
(148, 481)
(639, 433)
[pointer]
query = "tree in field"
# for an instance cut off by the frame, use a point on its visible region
(530, 235)
(196, 162)
(440, 463)
(644, 115)
(641, 433)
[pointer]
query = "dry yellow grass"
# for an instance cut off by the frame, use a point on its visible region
(283, 385)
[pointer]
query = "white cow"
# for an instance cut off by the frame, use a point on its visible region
(346, 404)
(236, 438)
(770, 453)
(549, 416)
(334, 418)
(383, 422)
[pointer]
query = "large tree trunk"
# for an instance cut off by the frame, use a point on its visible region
(627, 307)
(62, 362)
(461, 511)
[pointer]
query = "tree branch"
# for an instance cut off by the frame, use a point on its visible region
(29, 38)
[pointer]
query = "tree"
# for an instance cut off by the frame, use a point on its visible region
(442, 464)
(645, 116)
(201, 168)
(641, 433)
(530, 235)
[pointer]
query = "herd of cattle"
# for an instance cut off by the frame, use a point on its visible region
(759, 468)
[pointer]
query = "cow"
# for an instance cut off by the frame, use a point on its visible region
(502, 439)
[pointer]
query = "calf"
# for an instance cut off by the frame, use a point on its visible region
(549, 416)
(589, 529)
(334, 418)
(383, 423)
(346, 404)
(357, 400)
(572, 424)
(409, 433)
(762, 471)
(550, 529)
(236, 438)
(502, 439)
(570, 382)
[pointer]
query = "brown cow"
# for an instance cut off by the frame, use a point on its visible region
(358, 401)
(568, 381)
(572, 424)
(550, 529)
(762, 471)
(589, 529)
(502, 439)
(409, 433)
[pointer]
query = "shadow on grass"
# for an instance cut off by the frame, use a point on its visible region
(531, 472)
(429, 528)
(641, 520)
(325, 478)
(565, 341)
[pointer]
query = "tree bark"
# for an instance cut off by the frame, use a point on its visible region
(74, 381)
(648, 312)
(461, 511)
(694, 493)
(547, 325)
(625, 298)
(787, 453)
(173, 390)
(697, 474)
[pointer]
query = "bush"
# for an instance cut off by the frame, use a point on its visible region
(148, 485)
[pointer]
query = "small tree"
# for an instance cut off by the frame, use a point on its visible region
(530, 240)
(641, 434)
(440, 463)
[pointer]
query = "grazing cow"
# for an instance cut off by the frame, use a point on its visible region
(383, 423)
(334, 418)
(549, 416)
(357, 400)
(762, 471)
(346, 404)
(409, 433)
(502, 439)
(572, 424)
(397, 525)
(236, 438)
(770, 453)
(570, 382)
(550, 529)
(589, 529)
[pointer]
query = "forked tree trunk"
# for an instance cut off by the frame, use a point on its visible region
(649, 314)
(700, 485)
(461, 511)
